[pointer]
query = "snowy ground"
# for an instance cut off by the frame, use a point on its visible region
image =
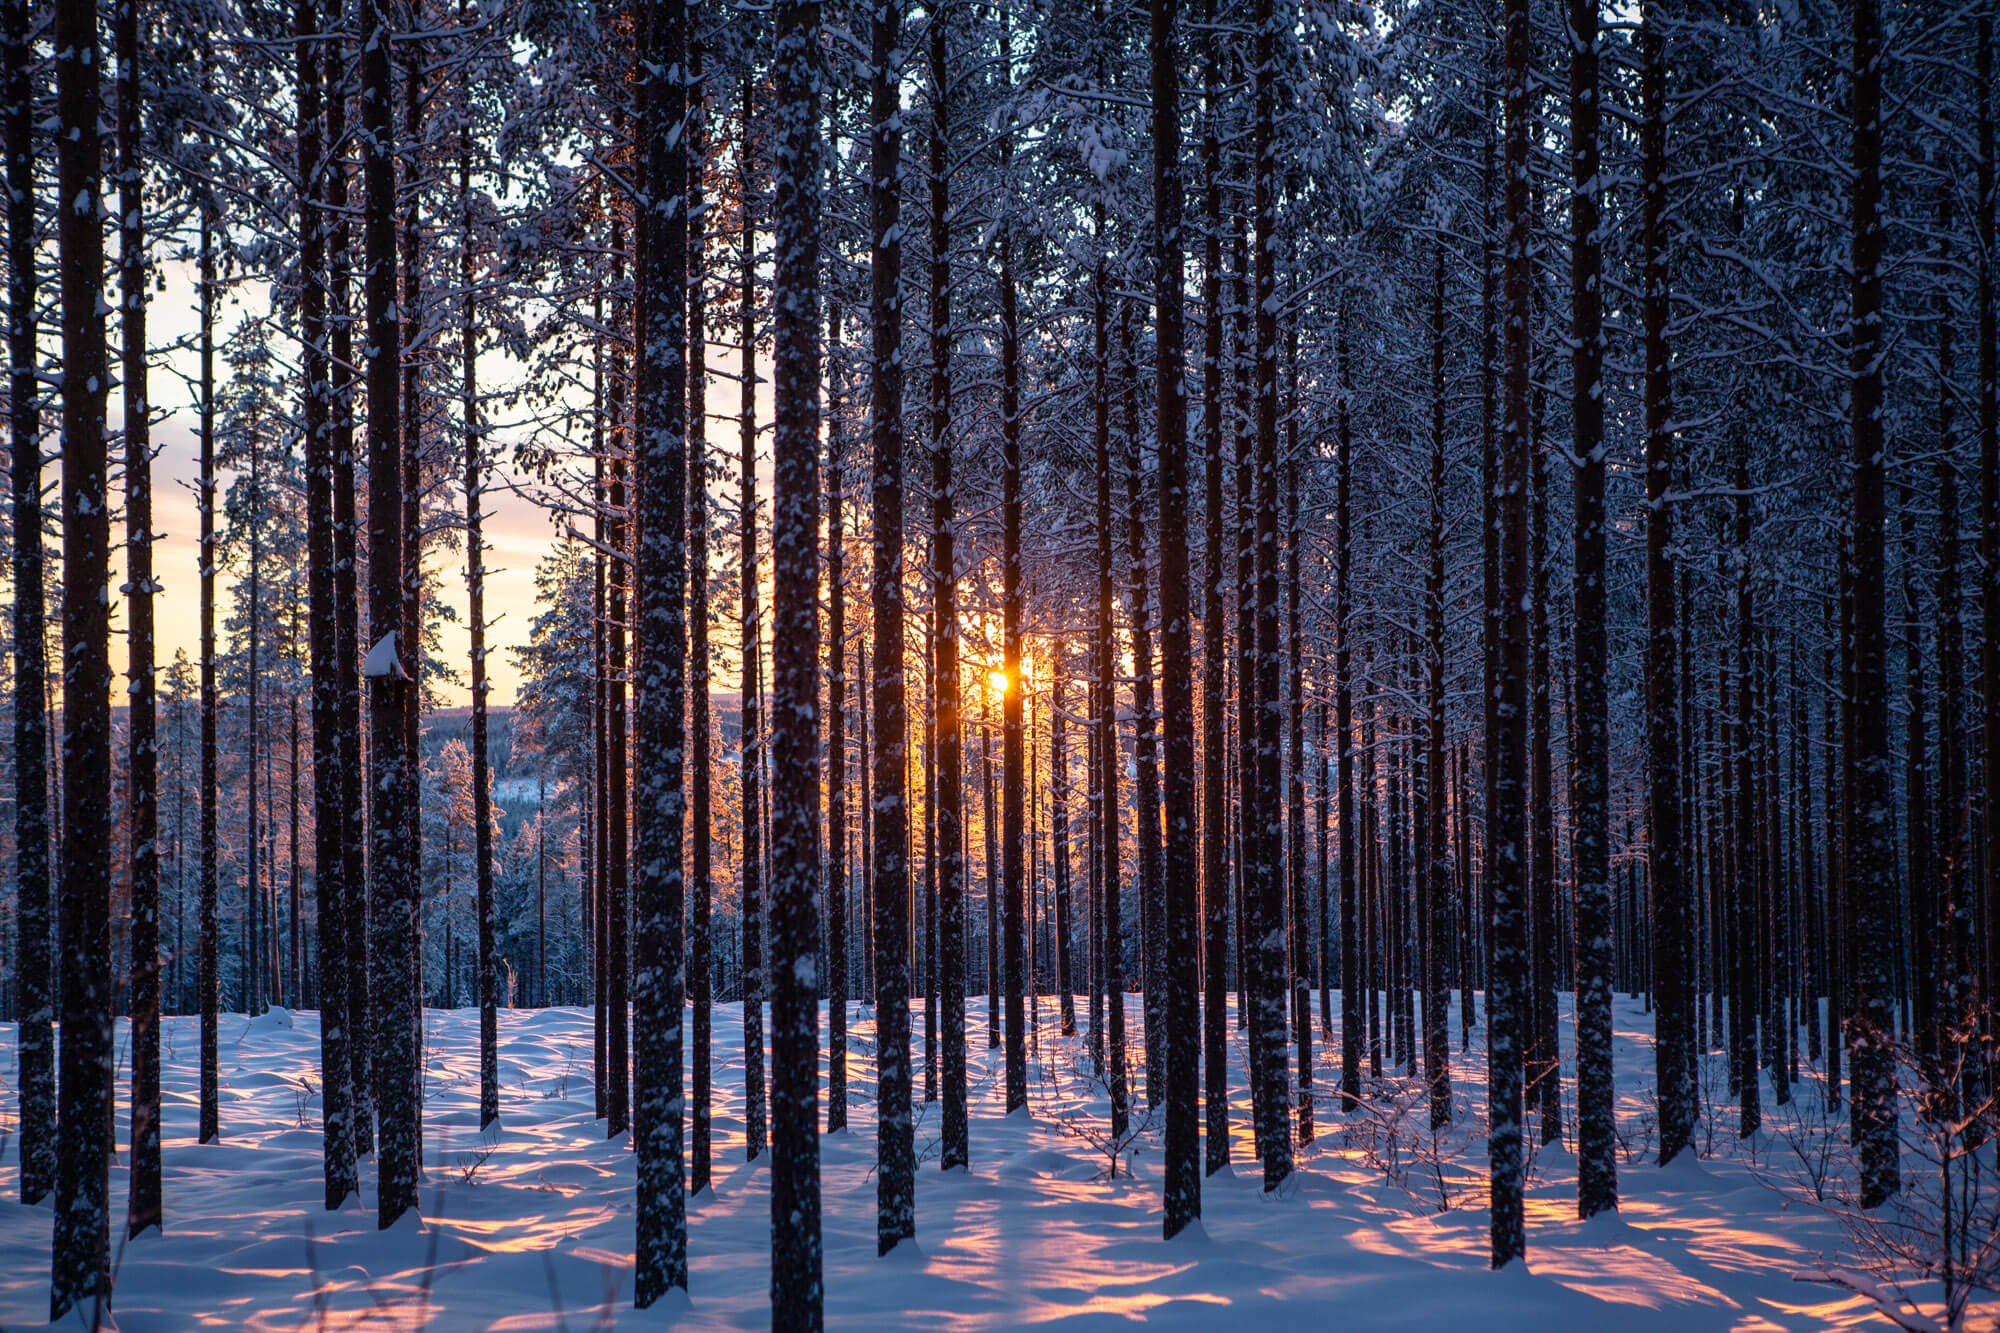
(531, 1227)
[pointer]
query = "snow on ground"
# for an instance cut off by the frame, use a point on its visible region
(530, 1227)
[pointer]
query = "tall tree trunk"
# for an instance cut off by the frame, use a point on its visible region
(1597, 1163)
(85, 1097)
(475, 603)
(1670, 933)
(795, 1227)
(1104, 709)
(1545, 1074)
(955, 1150)
(1873, 840)
(392, 781)
(1433, 869)
(143, 806)
(1506, 819)
(836, 762)
(1954, 997)
(1013, 746)
(1264, 817)
(34, 933)
(329, 883)
(750, 866)
(1989, 544)
(416, 347)
(1145, 737)
(208, 979)
(1214, 633)
(1299, 973)
(353, 828)
(661, 476)
(1351, 845)
(896, 1154)
(700, 888)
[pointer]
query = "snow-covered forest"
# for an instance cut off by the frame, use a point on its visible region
(942, 664)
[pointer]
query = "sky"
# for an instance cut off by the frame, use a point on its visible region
(518, 531)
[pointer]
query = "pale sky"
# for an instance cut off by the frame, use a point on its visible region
(518, 532)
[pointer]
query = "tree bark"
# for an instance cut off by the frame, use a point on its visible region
(1263, 815)
(750, 866)
(142, 808)
(700, 832)
(85, 1097)
(796, 1287)
(896, 1154)
(1214, 633)
(1506, 818)
(392, 876)
(955, 1150)
(1670, 932)
(329, 821)
(1597, 1163)
(1873, 875)
(661, 477)
(34, 924)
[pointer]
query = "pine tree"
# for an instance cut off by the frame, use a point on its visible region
(141, 717)
(1670, 929)
(1873, 876)
(82, 1244)
(1597, 1165)
(1214, 631)
(34, 926)
(796, 1285)
(659, 990)
(955, 1150)
(1182, 943)
(392, 874)
(336, 1064)
(1507, 818)
(896, 1155)
(1264, 947)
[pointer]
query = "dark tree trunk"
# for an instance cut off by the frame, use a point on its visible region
(896, 1154)
(1181, 936)
(700, 888)
(1104, 708)
(143, 807)
(1545, 1071)
(955, 1150)
(1214, 635)
(661, 476)
(1299, 973)
(1873, 875)
(329, 823)
(475, 604)
(750, 865)
(1987, 892)
(392, 777)
(1263, 816)
(208, 979)
(1013, 744)
(1597, 1163)
(836, 765)
(85, 1096)
(1506, 818)
(34, 924)
(795, 1227)
(1145, 739)
(353, 829)
(1434, 863)
(1670, 933)
(1743, 804)
(1351, 845)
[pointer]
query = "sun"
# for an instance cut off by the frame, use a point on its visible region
(998, 680)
